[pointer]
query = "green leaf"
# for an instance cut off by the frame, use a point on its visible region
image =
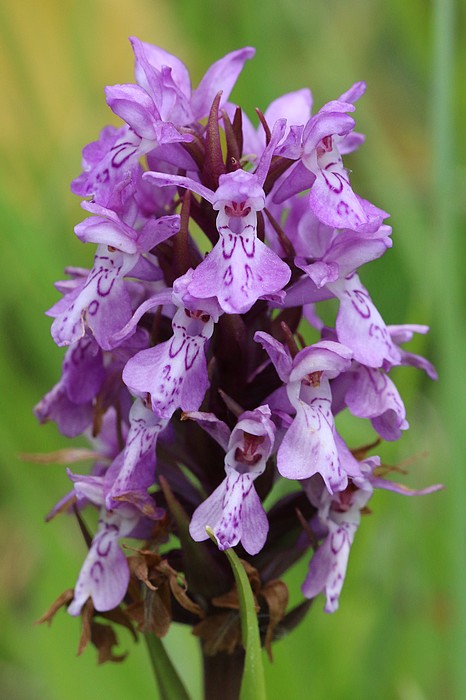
(170, 684)
(253, 682)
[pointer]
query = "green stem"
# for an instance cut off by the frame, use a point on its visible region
(170, 684)
(253, 681)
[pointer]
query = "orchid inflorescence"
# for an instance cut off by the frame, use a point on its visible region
(205, 382)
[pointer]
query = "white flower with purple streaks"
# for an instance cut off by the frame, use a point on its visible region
(330, 259)
(110, 168)
(234, 510)
(311, 444)
(360, 325)
(104, 576)
(174, 373)
(328, 135)
(340, 515)
(240, 268)
(101, 303)
(134, 468)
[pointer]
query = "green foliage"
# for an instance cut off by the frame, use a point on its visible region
(396, 633)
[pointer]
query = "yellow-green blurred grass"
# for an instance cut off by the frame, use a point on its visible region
(390, 638)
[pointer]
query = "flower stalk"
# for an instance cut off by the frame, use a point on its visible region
(169, 683)
(253, 681)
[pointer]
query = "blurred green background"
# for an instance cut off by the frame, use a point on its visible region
(399, 631)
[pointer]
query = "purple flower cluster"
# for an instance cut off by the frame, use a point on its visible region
(189, 372)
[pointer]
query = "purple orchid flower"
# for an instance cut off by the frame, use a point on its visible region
(138, 109)
(328, 135)
(311, 444)
(165, 79)
(339, 514)
(174, 373)
(102, 302)
(234, 510)
(133, 470)
(240, 268)
(330, 259)
(104, 575)
(89, 377)
(112, 173)
(163, 102)
(360, 324)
